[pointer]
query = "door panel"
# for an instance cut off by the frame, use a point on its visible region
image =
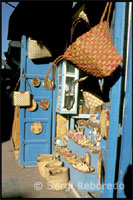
(33, 144)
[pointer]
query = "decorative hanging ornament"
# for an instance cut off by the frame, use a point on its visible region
(36, 82)
(50, 83)
(36, 128)
(33, 106)
(44, 104)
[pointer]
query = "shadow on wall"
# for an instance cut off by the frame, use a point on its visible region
(7, 113)
(128, 178)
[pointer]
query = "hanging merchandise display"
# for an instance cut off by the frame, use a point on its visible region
(104, 124)
(33, 106)
(36, 128)
(35, 82)
(37, 50)
(21, 98)
(44, 104)
(93, 52)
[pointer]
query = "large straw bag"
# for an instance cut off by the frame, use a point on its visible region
(37, 50)
(93, 52)
(58, 178)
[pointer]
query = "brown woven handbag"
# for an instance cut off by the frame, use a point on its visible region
(93, 52)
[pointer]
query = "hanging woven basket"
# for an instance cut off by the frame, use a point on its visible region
(37, 51)
(92, 101)
(93, 52)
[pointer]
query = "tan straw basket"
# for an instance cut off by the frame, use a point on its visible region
(47, 156)
(43, 161)
(37, 51)
(91, 100)
(52, 165)
(58, 178)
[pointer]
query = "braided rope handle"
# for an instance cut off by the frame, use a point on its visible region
(108, 4)
(54, 65)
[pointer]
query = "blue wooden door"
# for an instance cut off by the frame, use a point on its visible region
(109, 147)
(30, 144)
(125, 166)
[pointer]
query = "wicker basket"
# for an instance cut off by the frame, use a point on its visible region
(38, 51)
(61, 138)
(43, 161)
(58, 178)
(47, 156)
(52, 165)
(91, 100)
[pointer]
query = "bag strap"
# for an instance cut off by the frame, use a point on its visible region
(54, 65)
(74, 24)
(108, 4)
(25, 80)
(73, 85)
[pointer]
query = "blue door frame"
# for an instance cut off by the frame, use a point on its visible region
(109, 147)
(125, 167)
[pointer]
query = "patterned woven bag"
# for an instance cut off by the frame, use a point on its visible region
(21, 98)
(93, 52)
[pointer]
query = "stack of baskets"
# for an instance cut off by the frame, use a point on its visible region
(51, 168)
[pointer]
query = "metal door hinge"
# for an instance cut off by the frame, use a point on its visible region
(119, 131)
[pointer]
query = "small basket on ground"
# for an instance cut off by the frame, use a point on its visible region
(58, 178)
